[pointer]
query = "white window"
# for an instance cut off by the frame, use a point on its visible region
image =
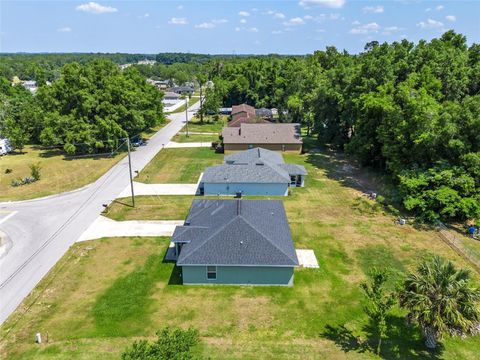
(211, 273)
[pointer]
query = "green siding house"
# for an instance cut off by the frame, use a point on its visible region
(236, 242)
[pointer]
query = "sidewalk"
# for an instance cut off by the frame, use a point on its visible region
(173, 144)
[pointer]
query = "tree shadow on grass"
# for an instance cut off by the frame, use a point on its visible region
(402, 341)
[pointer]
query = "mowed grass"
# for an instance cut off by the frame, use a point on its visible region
(163, 207)
(209, 124)
(58, 172)
(181, 165)
(104, 294)
(207, 138)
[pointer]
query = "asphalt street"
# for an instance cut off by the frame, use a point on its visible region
(40, 231)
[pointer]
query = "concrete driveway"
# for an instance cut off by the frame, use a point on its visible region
(42, 230)
(160, 189)
(105, 227)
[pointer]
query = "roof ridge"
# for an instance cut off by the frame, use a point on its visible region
(269, 240)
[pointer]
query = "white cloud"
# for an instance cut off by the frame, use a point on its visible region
(95, 8)
(428, 9)
(251, 29)
(327, 3)
(64, 29)
(451, 18)
(277, 32)
(243, 13)
(146, 15)
(373, 9)
(389, 30)
(308, 17)
(430, 24)
(356, 22)
(178, 21)
(335, 16)
(294, 21)
(275, 14)
(320, 30)
(365, 29)
(205, 25)
(211, 24)
(243, 21)
(180, 7)
(439, 8)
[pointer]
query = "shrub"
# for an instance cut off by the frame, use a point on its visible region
(35, 171)
(8, 171)
(171, 344)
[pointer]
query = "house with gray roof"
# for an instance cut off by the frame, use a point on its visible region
(277, 137)
(240, 242)
(256, 171)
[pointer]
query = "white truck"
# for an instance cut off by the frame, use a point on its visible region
(5, 146)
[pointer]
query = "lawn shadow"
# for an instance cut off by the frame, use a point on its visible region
(175, 276)
(402, 341)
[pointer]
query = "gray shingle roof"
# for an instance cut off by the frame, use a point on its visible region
(256, 165)
(262, 134)
(245, 173)
(236, 232)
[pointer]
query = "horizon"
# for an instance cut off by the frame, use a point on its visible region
(226, 27)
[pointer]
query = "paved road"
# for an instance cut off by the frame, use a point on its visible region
(41, 231)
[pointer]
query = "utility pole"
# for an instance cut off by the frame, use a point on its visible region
(130, 171)
(186, 113)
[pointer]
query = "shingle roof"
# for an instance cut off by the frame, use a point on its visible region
(262, 134)
(236, 232)
(250, 110)
(245, 173)
(256, 165)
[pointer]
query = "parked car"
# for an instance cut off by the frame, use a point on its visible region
(5, 147)
(140, 142)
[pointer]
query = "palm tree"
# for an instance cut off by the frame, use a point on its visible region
(439, 299)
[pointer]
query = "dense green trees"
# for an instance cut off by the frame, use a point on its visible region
(409, 110)
(88, 109)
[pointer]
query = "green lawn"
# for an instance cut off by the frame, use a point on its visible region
(173, 207)
(58, 172)
(182, 138)
(181, 165)
(209, 124)
(105, 293)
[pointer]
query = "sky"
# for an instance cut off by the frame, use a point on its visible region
(227, 27)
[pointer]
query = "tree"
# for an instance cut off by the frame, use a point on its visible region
(379, 304)
(438, 297)
(201, 79)
(171, 344)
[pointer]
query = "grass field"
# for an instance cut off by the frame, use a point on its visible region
(208, 138)
(209, 124)
(178, 165)
(58, 173)
(105, 293)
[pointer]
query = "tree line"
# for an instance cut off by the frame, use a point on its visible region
(409, 110)
(90, 108)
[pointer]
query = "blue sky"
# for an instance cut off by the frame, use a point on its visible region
(226, 27)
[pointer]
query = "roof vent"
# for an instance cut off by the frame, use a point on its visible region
(239, 206)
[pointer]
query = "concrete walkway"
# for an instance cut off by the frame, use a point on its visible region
(307, 258)
(173, 144)
(160, 189)
(105, 227)
(198, 133)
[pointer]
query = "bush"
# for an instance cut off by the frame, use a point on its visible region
(8, 171)
(171, 344)
(35, 171)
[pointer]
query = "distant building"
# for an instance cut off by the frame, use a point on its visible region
(225, 110)
(30, 85)
(124, 66)
(188, 90)
(159, 84)
(277, 137)
(146, 62)
(246, 114)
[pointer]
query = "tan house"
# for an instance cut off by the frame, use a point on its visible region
(245, 114)
(276, 137)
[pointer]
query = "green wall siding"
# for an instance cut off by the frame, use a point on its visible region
(239, 275)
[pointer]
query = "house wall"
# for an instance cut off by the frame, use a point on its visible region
(296, 148)
(239, 275)
(246, 189)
